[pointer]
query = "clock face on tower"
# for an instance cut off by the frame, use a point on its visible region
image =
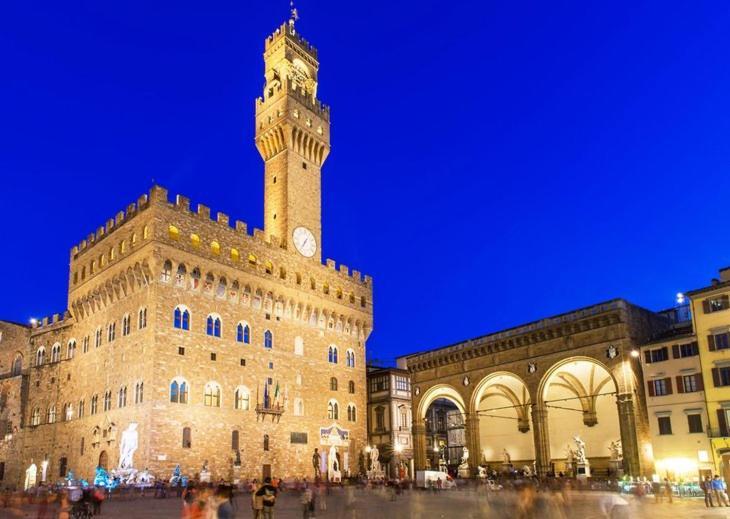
(304, 241)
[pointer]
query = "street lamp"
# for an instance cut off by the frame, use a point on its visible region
(635, 353)
(398, 450)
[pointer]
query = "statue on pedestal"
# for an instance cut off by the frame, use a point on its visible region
(128, 446)
(374, 460)
(317, 463)
(506, 458)
(616, 449)
(205, 473)
(31, 474)
(580, 451)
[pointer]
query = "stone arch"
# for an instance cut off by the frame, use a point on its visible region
(440, 391)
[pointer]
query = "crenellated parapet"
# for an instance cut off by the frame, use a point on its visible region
(287, 30)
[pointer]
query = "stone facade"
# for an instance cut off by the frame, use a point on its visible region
(112, 358)
(581, 354)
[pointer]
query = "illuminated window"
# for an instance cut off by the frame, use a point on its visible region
(242, 399)
(212, 395)
(333, 410)
(351, 413)
(268, 339)
(215, 247)
(166, 272)
(235, 256)
(252, 259)
(173, 232)
(332, 355)
(269, 268)
(179, 391)
(333, 384)
(195, 240)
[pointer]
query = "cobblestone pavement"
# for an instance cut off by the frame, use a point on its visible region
(377, 504)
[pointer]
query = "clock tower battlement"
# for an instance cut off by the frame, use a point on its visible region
(293, 138)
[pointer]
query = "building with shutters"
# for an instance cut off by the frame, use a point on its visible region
(711, 316)
(675, 400)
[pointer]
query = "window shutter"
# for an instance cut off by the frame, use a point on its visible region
(675, 351)
(695, 348)
(706, 306)
(650, 386)
(669, 385)
(711, 342)
(716, 377)
(647, 356)
(700, 382)
(722, 421)
(680, 384)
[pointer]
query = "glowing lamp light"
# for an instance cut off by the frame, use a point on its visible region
(368, 449)
(33, 321)
(398, 448)
(635, 354)
(435, 448)
(680, 298)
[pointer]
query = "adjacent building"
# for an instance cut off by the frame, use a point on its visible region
(675, 401)
(390, 416)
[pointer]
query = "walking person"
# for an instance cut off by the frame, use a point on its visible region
(267, 493)
(307, 502)
(706, 486)
(718, 489)
(668, 489)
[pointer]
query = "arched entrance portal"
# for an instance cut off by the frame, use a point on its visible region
(578, 397)
(502, 404)
(439, 429)
(104, 460)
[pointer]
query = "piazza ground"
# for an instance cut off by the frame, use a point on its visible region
(462, 504)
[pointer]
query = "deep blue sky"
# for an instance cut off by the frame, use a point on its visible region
(492, 162)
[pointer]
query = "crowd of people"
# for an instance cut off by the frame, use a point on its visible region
(516, 496)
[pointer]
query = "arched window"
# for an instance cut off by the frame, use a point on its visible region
(56, 353)
(166, 271)
(173, 232)
(266, 442)
(380, 418)
(68, 412)
(186, 438)
(215, 247)
(139, 393)
(17, 365)
(350, 359)
(268, 339)
(51, 414)
(142, 318)
(125, 325)
(351, 387)
(332, 354)
(298, 407)
(243, 333)
(182, 272)
(269, 267)
(97, 337)
(94, 404)
(111, 332)
(298, 346)
(235, 255)
(351, 413)
(181, 318)
(145, 232)
(212, 395)
(252, 260)
(213, 325)
(71, 349)
(333, 411)
(333, 384)
(235, 445)
(179, 391)
(107, 400)
(82, 405)
(220, 292)
(195, 240)
(326, 288)
(35, 417)
(40, 356)
(242, 398)
(195, 279)
(122, 399)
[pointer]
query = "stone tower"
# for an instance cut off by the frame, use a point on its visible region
(293, 137)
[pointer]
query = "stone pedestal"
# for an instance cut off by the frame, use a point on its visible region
(464, 471)
(506, 468)
(582, 470)
(205, 476)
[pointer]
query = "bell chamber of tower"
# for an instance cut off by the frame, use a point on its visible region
(293, 138)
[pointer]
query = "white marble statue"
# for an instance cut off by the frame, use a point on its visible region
(44, 470)
(128, 446)
(31, 473)
(332, 465)
(506, 457)
(465, 457)
(580, 449)
(374, 459)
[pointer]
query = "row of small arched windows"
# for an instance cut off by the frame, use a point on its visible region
(36, 417)
(213, 326)
(111, 333)
(181, 274)
(110, 255)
